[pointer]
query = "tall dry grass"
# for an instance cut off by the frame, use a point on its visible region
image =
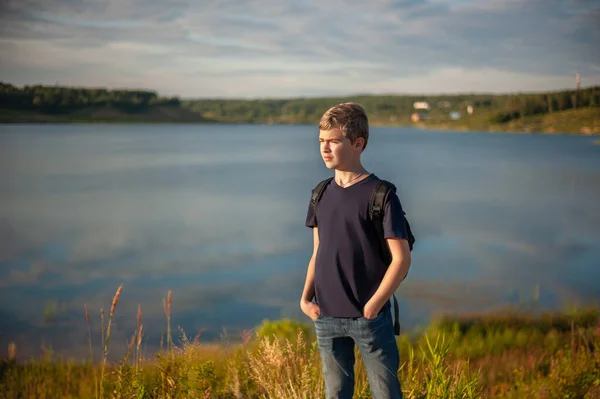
(167, 308)
(281, 360)
(286, 370)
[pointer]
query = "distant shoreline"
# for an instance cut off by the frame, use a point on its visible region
(565, 111)
(583, 121)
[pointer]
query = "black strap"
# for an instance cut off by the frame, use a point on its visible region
(317, 192)
(396, 320)
(376, 212)
(411, 237)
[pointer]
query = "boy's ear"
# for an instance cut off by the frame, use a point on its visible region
(359, 143)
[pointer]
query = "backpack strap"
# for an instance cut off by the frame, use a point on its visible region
(317, 193)
(396, 320)
(376, 213)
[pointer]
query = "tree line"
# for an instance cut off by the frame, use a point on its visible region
(500, 107)
(57, 99)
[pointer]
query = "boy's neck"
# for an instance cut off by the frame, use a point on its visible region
(350, 175)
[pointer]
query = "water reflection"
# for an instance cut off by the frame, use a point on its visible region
(216, 213)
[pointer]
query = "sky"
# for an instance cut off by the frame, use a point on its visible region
(283, 48)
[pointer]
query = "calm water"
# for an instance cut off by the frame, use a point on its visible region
(216, 214)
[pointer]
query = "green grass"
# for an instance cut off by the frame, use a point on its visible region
(499, 355)
(574, 121)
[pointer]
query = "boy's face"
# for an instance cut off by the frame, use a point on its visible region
(336, 149)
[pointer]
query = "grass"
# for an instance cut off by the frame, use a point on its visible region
(500, 355)
(574, 121)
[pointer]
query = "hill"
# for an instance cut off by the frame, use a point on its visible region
(583, 121)
(54, 104)
(567, 111)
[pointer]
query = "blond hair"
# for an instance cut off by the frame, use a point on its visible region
(350, 118)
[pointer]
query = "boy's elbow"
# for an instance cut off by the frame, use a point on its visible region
(400, 252)
(405, 262)
(405, 259)
(402, 260)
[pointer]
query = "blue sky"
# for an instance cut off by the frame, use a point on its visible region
(280, 48)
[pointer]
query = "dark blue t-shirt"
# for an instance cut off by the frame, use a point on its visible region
(349, 268)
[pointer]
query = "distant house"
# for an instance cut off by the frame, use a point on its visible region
(420, 116)
(421, 105)
(454, 115)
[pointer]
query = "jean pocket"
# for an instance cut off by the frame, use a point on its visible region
(377, 322)
(379, 316)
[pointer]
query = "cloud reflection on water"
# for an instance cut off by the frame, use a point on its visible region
(82, 213)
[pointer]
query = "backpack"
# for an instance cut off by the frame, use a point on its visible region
(376, 213)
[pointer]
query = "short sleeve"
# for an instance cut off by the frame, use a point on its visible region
(311, 218)
(393, 219)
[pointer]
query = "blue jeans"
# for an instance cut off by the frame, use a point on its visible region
(376, 342)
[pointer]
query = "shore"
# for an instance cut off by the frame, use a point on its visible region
(583, 121)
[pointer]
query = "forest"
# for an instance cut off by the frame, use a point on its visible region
(67, 104)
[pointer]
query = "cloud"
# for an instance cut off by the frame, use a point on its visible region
(281, 49)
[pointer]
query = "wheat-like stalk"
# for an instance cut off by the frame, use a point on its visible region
(12, 352)
(105, 351)
(102, 329)
(167, 308)
(101, 387)
(115, 300)
(111, 314)
(89, 325)
(87, 321)
(197, 337)
(138, 338)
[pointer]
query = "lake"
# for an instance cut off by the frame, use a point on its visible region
(216, 214)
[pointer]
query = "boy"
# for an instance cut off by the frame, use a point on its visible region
(346, 274)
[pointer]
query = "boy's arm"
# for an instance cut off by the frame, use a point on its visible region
(308, 307)
(396, 272)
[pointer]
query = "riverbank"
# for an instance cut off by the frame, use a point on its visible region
(506, 354)
(155, 114)
(584, 121)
